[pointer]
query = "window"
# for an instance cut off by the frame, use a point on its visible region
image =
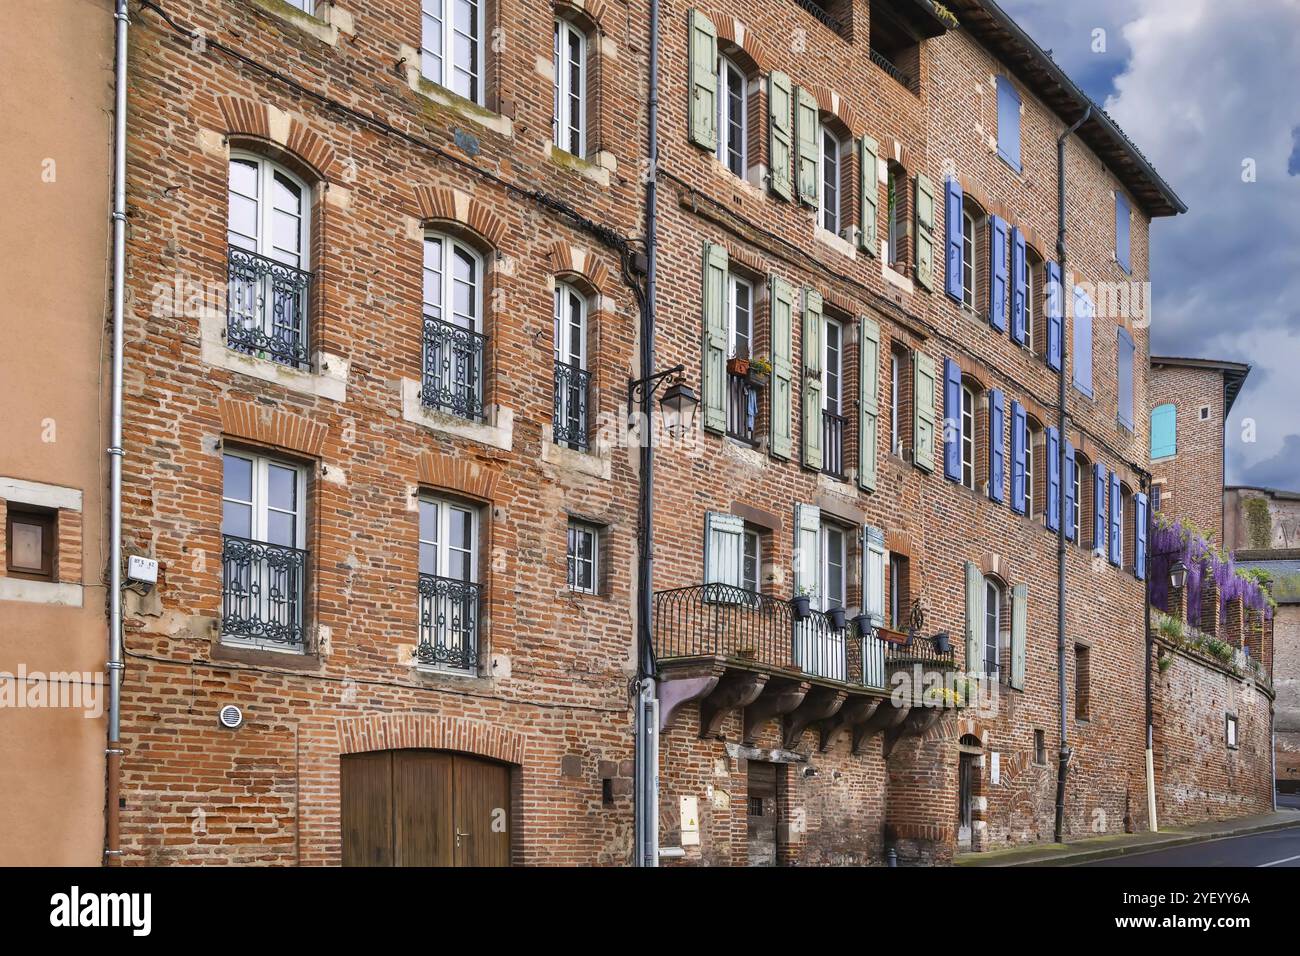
(451, 53)
(740, 315)
(897, 210)
(898, 592)
(1076, 514)
(1205, 413)
(1230, 730)
(584, 557)
(895, 403)
(572, 380)
(569, 124)
(894, 46)
(732, 555)
(1156, 489)
(30, 540)
(968, 288)
(834, 566)
(1082, 682)
(448, 586)
(733, 116)
(1031, 434)
(1008, 123)
(967, 437)
(1040, 747)
(1031, 306)
(263, 561)
(874, 570)
(1127, 528)
(992, 625)
(267, 233)
(833, 419)
(830, 173)
(454, 343)
(751, 562)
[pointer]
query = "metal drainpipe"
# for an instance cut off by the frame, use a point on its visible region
(1152, 823)
(646, 824)
(113, 752)
(1063, 756)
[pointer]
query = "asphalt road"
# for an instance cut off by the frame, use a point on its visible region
(1277, 849)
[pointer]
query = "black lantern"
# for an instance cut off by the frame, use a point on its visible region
(679, 404)
(1177, 575)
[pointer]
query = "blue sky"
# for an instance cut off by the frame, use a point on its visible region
(1203, 87)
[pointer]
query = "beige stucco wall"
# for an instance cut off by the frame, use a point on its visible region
(56, 100)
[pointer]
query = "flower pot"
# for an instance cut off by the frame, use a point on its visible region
(836, 616)
(800, 607)
(941, 643)
(863, 624)
(738, 366)
(759, 378)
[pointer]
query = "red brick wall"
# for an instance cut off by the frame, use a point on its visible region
(1192, 479)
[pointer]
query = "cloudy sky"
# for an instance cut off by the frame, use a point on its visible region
(1203, 86)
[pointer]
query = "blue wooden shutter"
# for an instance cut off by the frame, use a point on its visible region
(1053, 449)
(1164, 431)
(952, 211)
(997, 445)
(998, 273)
(1122, 231)
(1019, 292)
(1055, 300)
(1018, 436)
(1082, 354)
(951, 420)
(1140, 536)
(1116, 517)
(1068, 510)
(1098, 508)
(1008, 123)
(1124, 347)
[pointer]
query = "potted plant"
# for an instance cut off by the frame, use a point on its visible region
(760, 371)
(800, 602)
(863, 624)
(836, 617)
(737, 365)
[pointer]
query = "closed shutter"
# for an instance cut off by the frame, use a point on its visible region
(998, 273)
(924, 232)
(1019, 625)
(782, 397)
(805, 132)
(952, 218)
(1099, 508)
(1164, 431)
(974, 618)
(1125, 348)
(951, 420)
(813, 329)
(1082, 357)
(1019, 435)
(1140, 536)
(780, 134)
(868, 401)
(1053, 451)
(713, 376)
(1019, 291)
(703, 54)
(1116, 522)
(869, 198)
(1008, 123)
(1122, 231)
(1069, 490)
(997, 445)
(873, 574)
(923, 437)
(807, 551)
(724, 536)
(1055, 303)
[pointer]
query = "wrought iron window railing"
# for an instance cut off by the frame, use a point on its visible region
(817, 11)
(266, 308)
(742, 408)
(449, 619)
(569, 421)
(898, 75)
(918, 650)
(453, 368)
(833, 444)
(262, 591)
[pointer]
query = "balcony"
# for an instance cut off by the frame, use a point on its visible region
(266, 308)
(453, 369)
(833, 444)
(903, 79)
(449, 616)
(569, 421)
(262, 592)
(742, 408)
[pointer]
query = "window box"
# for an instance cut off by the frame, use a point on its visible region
(738, 366)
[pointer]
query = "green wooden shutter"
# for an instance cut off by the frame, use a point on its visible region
(869, 199)
(813, 326)
(868, 401)
(1019, 624)
(780, 134)
(805, 131)
(713, 376)
(781, 400)
(974, 618)
(703, 111)
(723, 548)
(807, 551)
(924, 232)
(923, 434)
(875, 559)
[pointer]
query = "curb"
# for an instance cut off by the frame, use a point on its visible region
(1090, 856)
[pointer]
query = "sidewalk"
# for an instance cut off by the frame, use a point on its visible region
(1099, 848)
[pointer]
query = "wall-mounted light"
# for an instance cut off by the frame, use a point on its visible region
(1177, 574)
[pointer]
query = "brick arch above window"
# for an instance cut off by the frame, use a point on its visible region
(569, 261)
(742, 44)
(994, 565)
(589, 15)
(428, 732)
(278, 134)
(440, 207)
(273, 427)
(457, 474)
(842, 117)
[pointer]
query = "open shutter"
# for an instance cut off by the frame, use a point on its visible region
(713, 377)
(1019, 625)
(998, 273)
(923, 411)
(1019, 291)
(813, 325)
(805, 131)
(1069, 490)
(997, 444)
(1081, 359)
(1140, 536)
(1055, 304)
(873, 574)
(1124, 355)
(974, 618)
(782, 392)
(780, 134)
(1122, 231)
(951, 420)
(1099, 508)
(723, 548)
(1018, 436)
(952, 212)
(869, 198)
(1164, 431)
(1116, 522)
(1053, 451)
(703, 112)
(807, 551)
(868, 401)
(924, 232)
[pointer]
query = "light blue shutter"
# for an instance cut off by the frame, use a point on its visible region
(703, 68)
(1122, 221)
(1070, 467)
(1140, 536)
(781, 297)
(1018, 436)
(814, 330)
(873, 574)
(1019, 629)
(998, 273)
(923, 381)
(807, 551)
(1008, 123)
(923, 233)
(1099, 508)
(723, 548)
(1019, 292)
(997, 445)
(806, 178)
(1164, 431)
(1124, 347)
(974, 618)
(1055, 302)
(1116, 522)
(952, 213)
(868, 401)
(713, 375)
(868, 196)
(1053, 451)
(1082, 356)
(951, 420)
(780, 133)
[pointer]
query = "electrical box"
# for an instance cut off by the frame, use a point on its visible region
(690, 807)
(141, 569)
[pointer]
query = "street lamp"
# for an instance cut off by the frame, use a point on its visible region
(678, 403)
(1177, 575)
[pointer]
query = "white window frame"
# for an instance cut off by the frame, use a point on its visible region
(442, 542)
(895, 409)
(1078, 507)
(438, 72)
(751, 551)
(449, 247)
(734, 284)
(895, 181)
(993, 623)
(896, 609)
(577, 531)
(969, 232)
(1029, 303)
(833, 367)
(568, 301)
(1029, 470)
(563, 132)
(827, 560)
(1231, 728)
(727, 68)
(967, 436)
(830, 214)
(263, 242)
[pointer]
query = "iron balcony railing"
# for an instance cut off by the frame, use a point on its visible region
(266, 308)
(742, 408)
(898, 75)
(449, 617)
(453, 368)
(915, 649)
(262, 591)
(833, 443)
(718, 620)
(572, 390)
(817, 11)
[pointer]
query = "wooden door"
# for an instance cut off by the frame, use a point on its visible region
(367, 795)
(422, 805)
(762, 812)
(481, 807)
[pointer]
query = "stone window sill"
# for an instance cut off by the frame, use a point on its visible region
(440, 95)
(325, 28)
(331, 381)
(497, 430)
(598, 169)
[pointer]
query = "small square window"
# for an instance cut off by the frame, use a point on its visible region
(1040, 747)
(1230, 730)
(584, 558)
(29, 543)
(1082, 682)
(1205, 413)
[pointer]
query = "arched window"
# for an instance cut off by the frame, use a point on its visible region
(569, 125)
(268, 233)
(1035, 477)
(831, 166)
(968, 260)
(454, 343)
(451, 46)
(572, 379)
(1034, 341)
(733, 116)
(992, 624)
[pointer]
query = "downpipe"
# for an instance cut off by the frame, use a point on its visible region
(1152, 822)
